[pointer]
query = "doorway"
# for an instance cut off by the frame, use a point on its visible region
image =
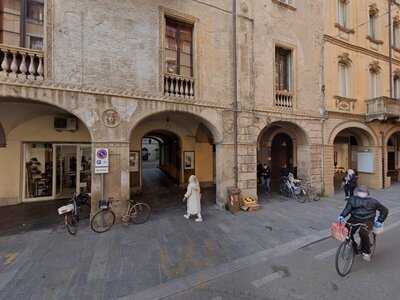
(281, 156)
(56, 171)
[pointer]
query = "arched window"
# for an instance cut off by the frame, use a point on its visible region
(342, 13)
(2, 137)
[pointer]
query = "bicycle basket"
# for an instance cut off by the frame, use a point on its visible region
(339, 231)
(104, 204)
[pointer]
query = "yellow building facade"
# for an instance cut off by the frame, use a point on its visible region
(361, 91)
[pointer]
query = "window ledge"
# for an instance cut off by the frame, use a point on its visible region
(285, 5)
(373, 40)
(344, 29)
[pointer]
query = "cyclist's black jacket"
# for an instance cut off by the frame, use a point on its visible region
(365, 209)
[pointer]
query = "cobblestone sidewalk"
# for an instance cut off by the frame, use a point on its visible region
(49, 264)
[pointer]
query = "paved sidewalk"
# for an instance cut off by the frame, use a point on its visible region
(49, 264)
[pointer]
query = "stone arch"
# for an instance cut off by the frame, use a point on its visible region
(390, 132)
(367, 132)
(86, 116)
(209, 118)
(296, 155)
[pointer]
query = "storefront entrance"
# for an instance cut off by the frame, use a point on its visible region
(55, 171)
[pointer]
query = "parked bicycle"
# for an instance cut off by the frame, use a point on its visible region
(104, 219)
(137, 212)
(351, 247)
(310, 193)
(71, 211)
(291, 188)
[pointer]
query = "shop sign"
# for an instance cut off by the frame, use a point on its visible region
(101, 163)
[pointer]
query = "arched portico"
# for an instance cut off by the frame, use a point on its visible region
(48, 155)
(188, 146)
(284, 144)
(352, 145)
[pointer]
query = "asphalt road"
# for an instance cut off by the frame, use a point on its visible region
(309, 273)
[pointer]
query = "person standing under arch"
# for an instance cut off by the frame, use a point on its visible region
(349, 183)
(193, 197)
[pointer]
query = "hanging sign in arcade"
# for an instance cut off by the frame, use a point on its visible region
(101, 163)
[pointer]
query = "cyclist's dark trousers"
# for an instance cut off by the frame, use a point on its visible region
(364, 233)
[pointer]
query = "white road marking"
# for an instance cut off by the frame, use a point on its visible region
(331, 252)
(263, 281)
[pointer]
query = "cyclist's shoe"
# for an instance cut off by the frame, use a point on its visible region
(366, 257)
(186, 216)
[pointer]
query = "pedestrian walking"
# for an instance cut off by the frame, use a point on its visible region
(192, 198)
(349, 183)
(266, 178)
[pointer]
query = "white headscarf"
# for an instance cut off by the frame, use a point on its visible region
(194, 181)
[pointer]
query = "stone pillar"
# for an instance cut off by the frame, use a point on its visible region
(247, 157)
(225, 176)
(116, 181)
(329, 170)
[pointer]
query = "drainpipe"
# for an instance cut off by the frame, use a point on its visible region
(236, 96)
(323, 113)
(390, 48)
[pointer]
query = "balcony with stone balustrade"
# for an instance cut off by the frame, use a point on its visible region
(383, 109)
(179, 86)
(21, 63)
(284, 100)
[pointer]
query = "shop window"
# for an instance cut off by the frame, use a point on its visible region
(38, 170)
(179, 48)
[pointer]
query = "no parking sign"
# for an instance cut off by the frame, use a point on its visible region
(101, 163)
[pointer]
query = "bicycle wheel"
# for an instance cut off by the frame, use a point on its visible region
(71, 222)
(344, 258)
(140, 213)
(372, 239)
(102, 221)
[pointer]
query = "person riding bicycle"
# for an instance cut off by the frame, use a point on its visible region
(362, 209)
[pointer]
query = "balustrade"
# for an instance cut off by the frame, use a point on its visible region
(383, 108)
(179, 86)
(21, 63)
(284, 100)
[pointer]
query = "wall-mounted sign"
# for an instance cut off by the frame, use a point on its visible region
(101, 161)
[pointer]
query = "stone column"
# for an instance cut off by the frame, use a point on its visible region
(116, 181)
(329, 170)
(225, 176)
(248, 169)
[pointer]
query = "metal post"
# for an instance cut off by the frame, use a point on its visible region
(390, 48)
(235, 104)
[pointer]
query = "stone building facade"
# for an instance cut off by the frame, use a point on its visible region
(113, 72)
(361, 80)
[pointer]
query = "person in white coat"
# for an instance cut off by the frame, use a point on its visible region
(192, 197)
